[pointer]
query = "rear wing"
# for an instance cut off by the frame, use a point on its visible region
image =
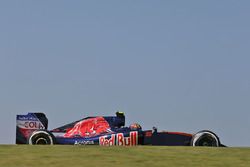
(26, 124)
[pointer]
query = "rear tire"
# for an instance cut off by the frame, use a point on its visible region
(41, 137)
(205, 138)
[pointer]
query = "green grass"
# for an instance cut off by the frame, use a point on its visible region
(141, 156)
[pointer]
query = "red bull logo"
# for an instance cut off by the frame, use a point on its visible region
(119, 139)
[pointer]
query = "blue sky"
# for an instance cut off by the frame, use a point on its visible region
(178, 65)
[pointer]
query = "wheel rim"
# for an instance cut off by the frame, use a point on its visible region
(207, 140)
(41, 137)
(41, 141)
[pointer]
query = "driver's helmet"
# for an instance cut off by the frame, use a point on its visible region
(135, 126)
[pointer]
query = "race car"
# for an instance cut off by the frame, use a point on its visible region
(32, 129)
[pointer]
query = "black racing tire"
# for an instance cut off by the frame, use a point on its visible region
(41, 137)
(205, 138)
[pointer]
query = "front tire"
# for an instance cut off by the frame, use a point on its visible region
(205, 138)
(41, 137)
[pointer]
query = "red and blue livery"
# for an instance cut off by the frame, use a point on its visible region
(32, 129)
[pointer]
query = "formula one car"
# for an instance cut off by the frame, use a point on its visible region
(105, 131)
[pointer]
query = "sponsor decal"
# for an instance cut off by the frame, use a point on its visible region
(107, 142)
(119, 139)
(88, 128)
(30, 125)
(84, 142)
(26, 118)
(148, 134)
